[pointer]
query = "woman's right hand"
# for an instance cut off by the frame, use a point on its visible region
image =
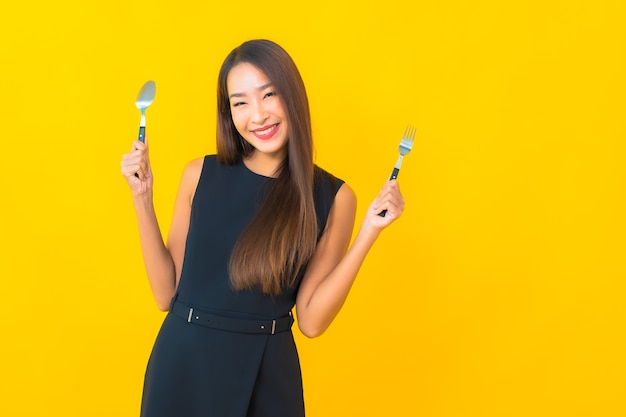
(138, 162)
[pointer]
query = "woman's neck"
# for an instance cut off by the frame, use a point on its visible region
(263, 164)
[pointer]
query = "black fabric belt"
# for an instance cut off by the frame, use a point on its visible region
(229, 323)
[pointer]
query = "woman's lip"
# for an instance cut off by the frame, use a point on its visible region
(273, 128)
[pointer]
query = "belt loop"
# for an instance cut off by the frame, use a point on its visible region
(273, 326)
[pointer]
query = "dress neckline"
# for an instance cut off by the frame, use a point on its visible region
(242, 162)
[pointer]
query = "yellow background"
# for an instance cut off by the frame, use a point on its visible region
(499, 293)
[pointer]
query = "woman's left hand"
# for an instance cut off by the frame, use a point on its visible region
(389, 199)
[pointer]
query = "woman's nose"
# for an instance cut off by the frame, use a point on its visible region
(259, 113)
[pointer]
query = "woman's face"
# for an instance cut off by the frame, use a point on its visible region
(257, 111)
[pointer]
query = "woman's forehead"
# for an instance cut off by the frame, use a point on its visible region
(245, 78)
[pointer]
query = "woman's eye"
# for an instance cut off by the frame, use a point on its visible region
(270, 94)
(238, 103)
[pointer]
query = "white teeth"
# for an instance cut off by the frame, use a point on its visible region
(266, 131)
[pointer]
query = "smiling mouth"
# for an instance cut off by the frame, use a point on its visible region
(265, 131)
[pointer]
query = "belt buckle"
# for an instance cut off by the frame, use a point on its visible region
(273, 326)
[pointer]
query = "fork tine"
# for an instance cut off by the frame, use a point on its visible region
(410, 133)
(407, 140)
(407, 132)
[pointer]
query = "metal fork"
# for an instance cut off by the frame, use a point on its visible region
(405, 147)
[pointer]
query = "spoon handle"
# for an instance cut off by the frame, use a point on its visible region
(141, 138)
(142, 134)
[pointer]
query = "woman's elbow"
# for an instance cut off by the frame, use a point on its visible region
(311, 331)
(163, 299)
(163, 304)
(163, 308)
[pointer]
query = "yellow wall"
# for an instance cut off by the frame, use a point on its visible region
(501, 292)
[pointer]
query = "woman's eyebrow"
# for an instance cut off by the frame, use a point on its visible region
(260, 88)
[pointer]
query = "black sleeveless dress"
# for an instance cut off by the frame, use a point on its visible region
(195, 370)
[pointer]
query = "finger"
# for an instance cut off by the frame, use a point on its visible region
(391, 190)
(133, 160)
(385, 197)
(392, 185)
(391, 201)
(136, 155)
(138, 145)
(392, 211)
(130, 170)
(129, 157)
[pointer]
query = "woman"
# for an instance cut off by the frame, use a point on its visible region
(256, 229)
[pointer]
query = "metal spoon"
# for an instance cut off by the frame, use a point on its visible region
(144, 100)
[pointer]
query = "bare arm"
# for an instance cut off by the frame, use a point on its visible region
(332, 269)
(163, 263)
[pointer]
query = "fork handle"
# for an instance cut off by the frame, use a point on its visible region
(394, 175)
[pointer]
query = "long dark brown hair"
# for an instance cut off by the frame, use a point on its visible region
(282, 237)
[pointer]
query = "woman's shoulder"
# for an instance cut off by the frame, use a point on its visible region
(332, 190)
(324, 179)
(333, 198)
(194, 168)
(196, 165)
